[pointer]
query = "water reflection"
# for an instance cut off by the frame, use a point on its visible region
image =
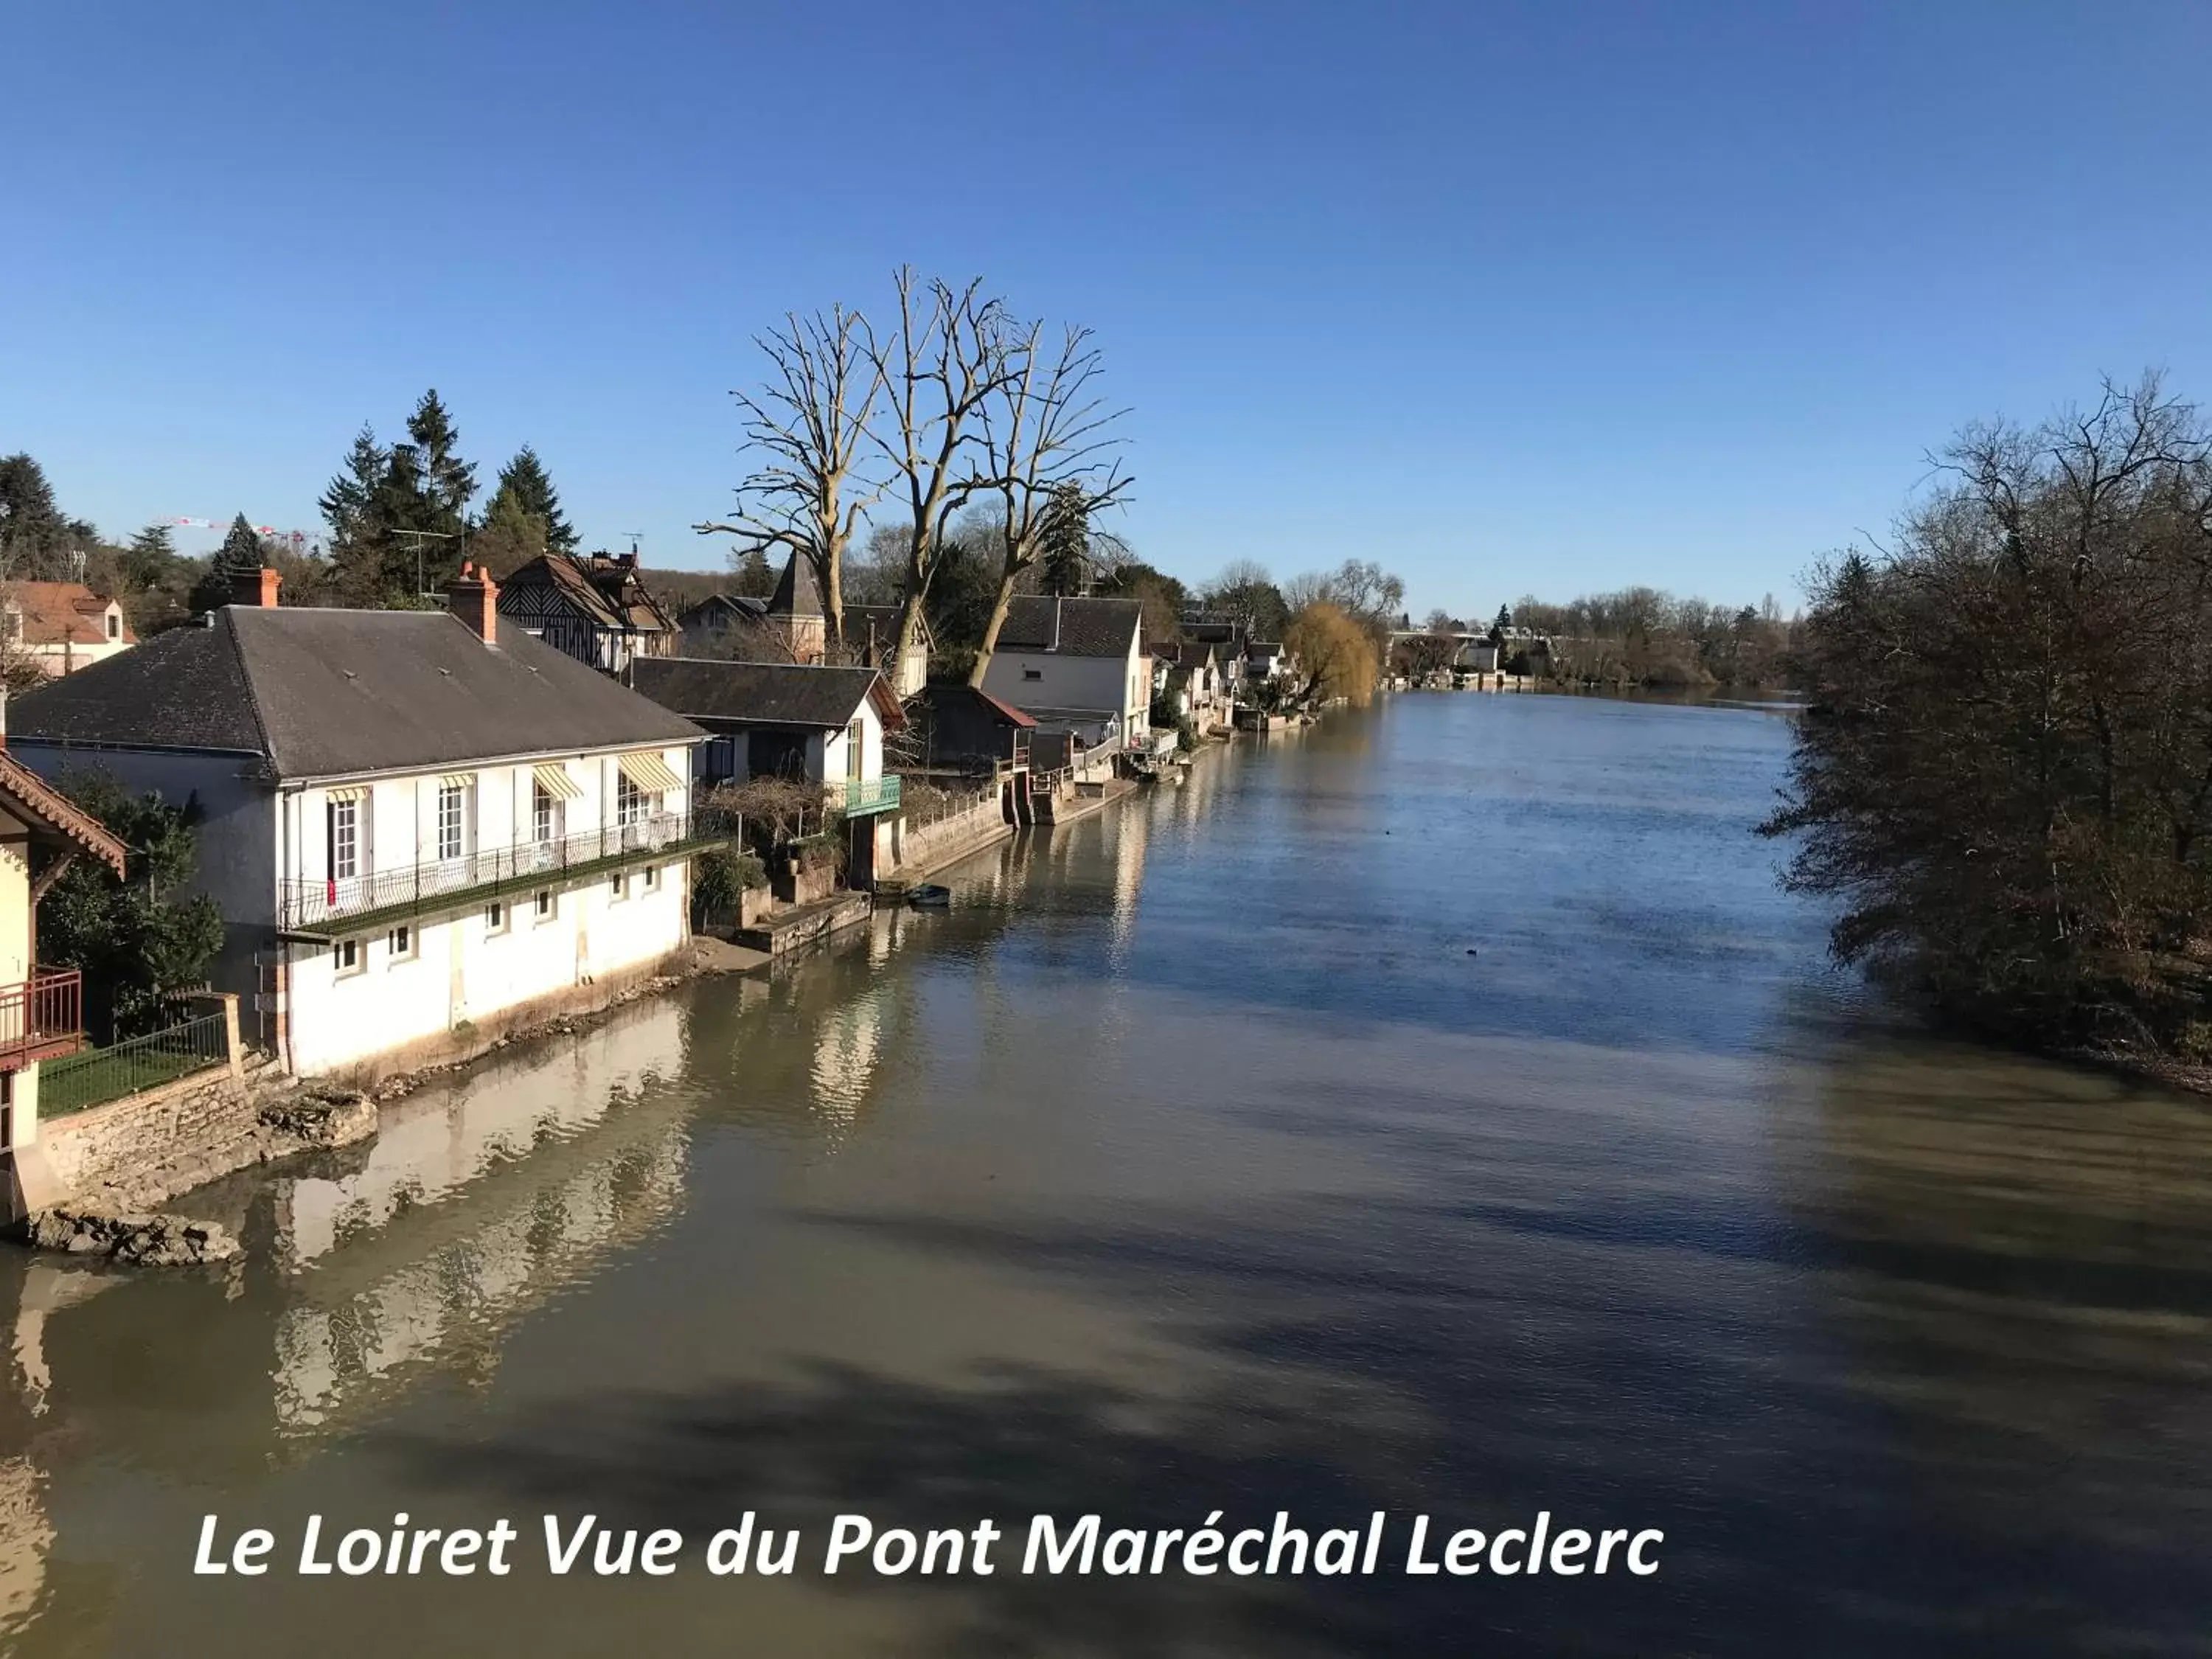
(1190, 1160)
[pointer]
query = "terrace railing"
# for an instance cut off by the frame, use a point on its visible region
(861, 797)
(319, 905)
(92, 1077)
(40, 1017)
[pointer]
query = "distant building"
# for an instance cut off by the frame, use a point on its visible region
(1075, 662)
(872, 633)
(719, 625)
(597, 609)
(62, 626)
(419, 824)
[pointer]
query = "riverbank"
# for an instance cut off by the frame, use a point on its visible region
(149, 1151)
(146, 1154)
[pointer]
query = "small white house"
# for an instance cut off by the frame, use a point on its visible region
(1081, 660)
(419, 827)
(796, 721)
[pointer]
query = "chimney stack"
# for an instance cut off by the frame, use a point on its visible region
(473, 597)
(255, 588)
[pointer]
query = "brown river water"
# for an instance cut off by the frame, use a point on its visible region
(1191, 1164)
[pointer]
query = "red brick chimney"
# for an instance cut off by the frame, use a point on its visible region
(473, 597)
(256, 588)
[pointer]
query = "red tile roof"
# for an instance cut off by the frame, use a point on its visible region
(58, 613)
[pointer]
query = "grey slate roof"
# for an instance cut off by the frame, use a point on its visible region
(1084, 628)
(797, 594)
(756, 693)
(323, 693)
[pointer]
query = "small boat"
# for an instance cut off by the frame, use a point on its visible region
(929, 896)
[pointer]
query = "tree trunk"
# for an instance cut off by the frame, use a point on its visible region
(1000, 606)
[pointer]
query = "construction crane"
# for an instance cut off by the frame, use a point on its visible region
(300, 541)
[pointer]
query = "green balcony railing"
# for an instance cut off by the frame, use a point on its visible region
(859, 798)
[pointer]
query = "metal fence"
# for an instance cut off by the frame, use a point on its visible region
(862, 797)
(92, 1077)
(40, 1010)
(314, 903)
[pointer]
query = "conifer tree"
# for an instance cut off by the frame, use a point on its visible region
(240, 549)
(524, 479)
(444, 481)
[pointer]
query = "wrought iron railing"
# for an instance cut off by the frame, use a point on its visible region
(39, 1014)
(860, 796)
(316, 904)
(92, 1077)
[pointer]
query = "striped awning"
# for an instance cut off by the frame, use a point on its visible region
(555, 781)
(649, 772)
(352, 791)
(458, 780)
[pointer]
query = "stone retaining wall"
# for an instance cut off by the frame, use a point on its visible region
(916, 852)
(138, 1151)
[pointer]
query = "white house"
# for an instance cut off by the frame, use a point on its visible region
(1080, 662)
(420, 827)
(795, 720)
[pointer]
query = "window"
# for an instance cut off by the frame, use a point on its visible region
(114, 625)
(495, 917)
(632, 804)
(402, 942)
(452, 814)
(348, 955)
(344, 819)
(543, 905)
(1033, 673)
(651, 877)
(619, 884)
(856, 739)
(544, 815)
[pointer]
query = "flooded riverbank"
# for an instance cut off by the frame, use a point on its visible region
(1190, 1162)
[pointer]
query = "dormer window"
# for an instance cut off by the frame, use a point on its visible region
(115, 623)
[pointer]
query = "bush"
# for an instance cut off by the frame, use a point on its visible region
(137, 945)
(720, 876)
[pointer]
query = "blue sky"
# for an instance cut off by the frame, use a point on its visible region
(1511, 298)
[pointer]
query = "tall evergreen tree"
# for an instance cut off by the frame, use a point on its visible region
(525, 479)
(755, 577)
(1065, 541)
(444, 482)
(346, 504)
(31, 526)
(240, 549)
(510, 536)
(240, 554)
(150, 558)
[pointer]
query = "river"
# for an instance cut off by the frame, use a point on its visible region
(1439, 1111)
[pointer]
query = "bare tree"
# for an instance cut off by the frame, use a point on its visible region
(950, 353)
(1045, 445)
(809, 423)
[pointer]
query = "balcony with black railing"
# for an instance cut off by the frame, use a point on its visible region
(345, 905)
